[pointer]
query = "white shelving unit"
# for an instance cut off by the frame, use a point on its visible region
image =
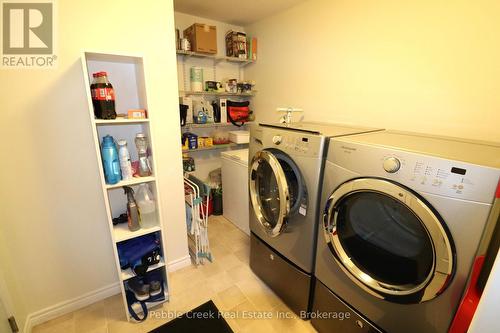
(126, 74)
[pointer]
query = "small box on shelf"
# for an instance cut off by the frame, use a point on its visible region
(136, 114)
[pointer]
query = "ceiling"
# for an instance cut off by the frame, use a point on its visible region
(233, 11)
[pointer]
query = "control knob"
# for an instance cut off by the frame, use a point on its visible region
(277, 139)
(392, 164)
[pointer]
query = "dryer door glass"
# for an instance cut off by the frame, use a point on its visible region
(384, 238)
(388, 240)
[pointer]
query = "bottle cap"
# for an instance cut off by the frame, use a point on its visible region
(140, 135)
(122, 142)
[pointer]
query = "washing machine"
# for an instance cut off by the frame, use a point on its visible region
(285, 168)
(402, 217)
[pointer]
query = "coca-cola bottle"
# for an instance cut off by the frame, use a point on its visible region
(103, 96)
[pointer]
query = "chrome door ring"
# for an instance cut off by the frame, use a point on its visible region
(283, 192)
(443, 263)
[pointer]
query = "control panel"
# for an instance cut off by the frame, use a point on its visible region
(417, 171)
(294, 142)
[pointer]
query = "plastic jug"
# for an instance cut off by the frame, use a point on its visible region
(147, 206)
(110, 161)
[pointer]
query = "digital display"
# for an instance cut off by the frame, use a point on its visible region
(305, 139)
(459, 171)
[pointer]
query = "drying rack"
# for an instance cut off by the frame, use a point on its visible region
(197, 197)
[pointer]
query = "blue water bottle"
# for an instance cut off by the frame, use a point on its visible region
(110, 160)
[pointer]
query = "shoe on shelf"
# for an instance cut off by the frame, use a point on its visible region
(154, 288)
(140, 290)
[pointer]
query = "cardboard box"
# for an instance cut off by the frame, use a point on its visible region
(136, 114)
(203, 38)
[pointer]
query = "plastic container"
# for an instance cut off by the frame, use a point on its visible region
(133, 213)
(147, 206)
(110, 161)
(239, 136)
(220, 137)
(103, 96)
(141, 143)
(124, 156)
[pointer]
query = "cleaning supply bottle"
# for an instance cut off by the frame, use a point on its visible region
(147, 206)
(110, 162)
(141, 143)
(124, 155)
(134, 216)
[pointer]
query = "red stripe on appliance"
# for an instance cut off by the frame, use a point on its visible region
(465, 312)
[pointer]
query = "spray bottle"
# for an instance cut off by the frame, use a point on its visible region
(134, 216)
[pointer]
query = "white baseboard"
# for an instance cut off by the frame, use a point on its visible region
(179, 263)
(65, 307)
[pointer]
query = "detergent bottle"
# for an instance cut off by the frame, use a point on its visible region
(110, 161)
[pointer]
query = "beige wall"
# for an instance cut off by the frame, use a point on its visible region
(53, 220)
(427, 65)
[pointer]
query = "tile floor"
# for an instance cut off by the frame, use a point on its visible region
(228, 281)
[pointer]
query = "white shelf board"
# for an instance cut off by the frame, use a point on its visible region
(209, 125)
(119, 121)
(216, 93)
(131, 182)
(121, 232)
(215, 57)
(128, 273)
(214, 147)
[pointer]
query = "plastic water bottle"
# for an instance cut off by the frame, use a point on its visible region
(110, 160)
(147, 206)
(141, 143)
(125, 165)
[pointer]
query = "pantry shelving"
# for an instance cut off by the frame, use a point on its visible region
(216, 93)
(126, 73)
(214, 57)
(214, 147)
(210, 125)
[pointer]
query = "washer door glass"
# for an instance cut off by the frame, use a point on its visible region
(276, 189)
(388, 240)
(268, 193)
